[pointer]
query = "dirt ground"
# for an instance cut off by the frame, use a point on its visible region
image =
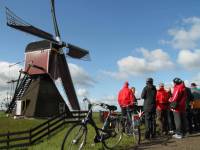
(190, 142)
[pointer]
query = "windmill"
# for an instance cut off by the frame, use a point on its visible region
(44, 61)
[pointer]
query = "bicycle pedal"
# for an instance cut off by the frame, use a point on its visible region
(97, 139)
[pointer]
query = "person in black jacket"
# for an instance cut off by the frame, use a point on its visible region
(149, 96)
(188, 110)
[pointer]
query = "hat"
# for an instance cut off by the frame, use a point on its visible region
(149, 80)
(177, 80)
(193, 84)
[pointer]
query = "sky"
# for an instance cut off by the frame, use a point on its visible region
(128, 40)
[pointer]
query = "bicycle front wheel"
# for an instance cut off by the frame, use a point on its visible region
(114, 134)
(75, 138)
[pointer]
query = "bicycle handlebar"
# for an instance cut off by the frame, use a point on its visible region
(134, 103)
(92, 103)
(103, 105)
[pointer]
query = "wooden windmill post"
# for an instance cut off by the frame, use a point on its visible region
(45, 62)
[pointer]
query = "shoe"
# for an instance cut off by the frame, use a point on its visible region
(171, 132)
(177, 136)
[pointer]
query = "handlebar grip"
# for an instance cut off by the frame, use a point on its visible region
(104, 105)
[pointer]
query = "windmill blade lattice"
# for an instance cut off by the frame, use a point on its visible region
(57, 33)
(19, 24)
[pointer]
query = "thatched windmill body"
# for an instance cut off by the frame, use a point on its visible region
(45, 61)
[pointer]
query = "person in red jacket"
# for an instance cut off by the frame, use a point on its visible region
(178, 106)
(170, 116)
(162, 108)
(125, 98)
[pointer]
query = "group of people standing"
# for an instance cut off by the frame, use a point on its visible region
(171, 109)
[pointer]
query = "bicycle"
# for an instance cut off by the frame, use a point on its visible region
(132, 122)
(110, 134)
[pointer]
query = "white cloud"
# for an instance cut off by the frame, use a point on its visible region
(82, 92)
(187, 36)
(196, 79)
(189, 59)
(110, 100)
(151, 61)
(80, 76)
(7, 73)
(192, 20)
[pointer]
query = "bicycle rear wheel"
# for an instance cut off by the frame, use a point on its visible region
(75, 138)
(114, 136)
(137, 134)
(133, 131)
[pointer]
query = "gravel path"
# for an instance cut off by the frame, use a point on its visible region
(191, 142)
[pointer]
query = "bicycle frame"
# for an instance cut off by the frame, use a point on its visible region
(108, 135)
(131, 122)
(89, 120)
(134, 118)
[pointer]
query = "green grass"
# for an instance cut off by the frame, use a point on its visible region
(54, 142)
(12, 125)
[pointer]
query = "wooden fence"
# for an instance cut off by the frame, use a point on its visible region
(26, 138)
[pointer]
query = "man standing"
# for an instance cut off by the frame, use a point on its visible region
(196, 106)
(162, 108)
(188, 113)
(178, 106)
(125, 98)
(149, 96)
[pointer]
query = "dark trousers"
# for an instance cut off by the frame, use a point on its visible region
(196, 119)
(171, 122)
(162, 118)
(180, 120)
(189, 118)
(150, 124)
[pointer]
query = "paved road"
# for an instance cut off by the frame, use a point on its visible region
(191, 142)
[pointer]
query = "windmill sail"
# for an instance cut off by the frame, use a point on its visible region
(54, 19)
(77, 52)
(19, 24)
(67, 82)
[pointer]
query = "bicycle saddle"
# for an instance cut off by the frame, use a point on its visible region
(110, 107)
